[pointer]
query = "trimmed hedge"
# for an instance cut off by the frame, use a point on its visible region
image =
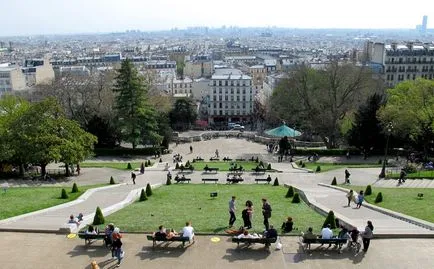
(379, 198)
(330, 219)
(296, 198)
(99, 217)
(148, 190)
(143, 196)
(64, 195)
(334, 182)
(112, 181)
(368, 190)
(290, 192)
(276, 182)
(74, 188)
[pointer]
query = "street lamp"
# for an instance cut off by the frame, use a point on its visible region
(383, 169)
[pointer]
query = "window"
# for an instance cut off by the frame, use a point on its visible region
(220, 90)
(238, 98)
(238, 91)
(214, 91)
(226, 98)
(244, 91)
(232, 91)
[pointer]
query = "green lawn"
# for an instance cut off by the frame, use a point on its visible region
(427, 174)
(21, 200)
(114, 165)
(332, 166)
(403, 200)
(173, 205)
(224, 166)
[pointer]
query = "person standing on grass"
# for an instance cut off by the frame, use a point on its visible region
(367, 235)
(232, 209)
(266, 212)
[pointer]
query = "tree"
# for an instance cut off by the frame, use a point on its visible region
(410, 110)
(143, 196)
(148, 190)
(136, 117)
(366, 132)
(99, 217)
(330, 219)
(318, 100)
(183, 114)
(290, 192)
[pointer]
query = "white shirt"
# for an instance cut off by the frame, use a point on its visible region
(188, 231)
(326, 233)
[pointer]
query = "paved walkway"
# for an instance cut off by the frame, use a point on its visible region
(326, 198)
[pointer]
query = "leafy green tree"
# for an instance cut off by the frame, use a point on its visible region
(410, 110)
(319, 100)
(367, 132)
(183, 114)
(136, 118)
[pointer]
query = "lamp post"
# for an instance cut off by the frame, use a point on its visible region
(383, 169)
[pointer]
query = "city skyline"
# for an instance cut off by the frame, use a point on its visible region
(30, 17)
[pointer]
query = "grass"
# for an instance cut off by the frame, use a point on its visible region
(333, 166)
(21, 200)
(424, 174)
(224, 166)
(114, 165)
(173, 205)
(403, 200)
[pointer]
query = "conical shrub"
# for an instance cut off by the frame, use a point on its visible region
(148, 190)
(269, 166)
(303, 165)
(330, 219)
(368, 190)
(74, 188)
(318, 169)
(112, 181)
(143, 196)
(276, 182)
(99, 217)
(129, 167)
(177, 166)
(379, 198)
(334, 182)
(290, 192)
(296, 198)
(64, 195)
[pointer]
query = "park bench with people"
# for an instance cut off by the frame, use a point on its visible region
(211, 169)
(234, 180)
(261, 240)
(335, 241)
(214, 159)
(164, 239)
(227, 159)
(210, 180)
(182, 179)
(199, 159)
(236, 169)
(240, 160)
(88, 238)
(268, 180)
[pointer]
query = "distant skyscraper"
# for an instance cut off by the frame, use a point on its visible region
(424, 23)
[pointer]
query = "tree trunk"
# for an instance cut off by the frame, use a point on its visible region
(43, 170)
(67, 172)
(21, 170)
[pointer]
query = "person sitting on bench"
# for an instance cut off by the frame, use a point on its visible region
(246, 234)
(91, 230)
(271, 233)
(268, 178)
(160, 234)
(327, 233)
(188, 231)
(309, 234)
(171, 234)
(176, 178)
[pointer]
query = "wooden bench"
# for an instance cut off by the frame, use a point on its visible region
(214, 159)
(210, 179)
(234, 180)
(173, 239)
(199, 159)
(88, 238)
(335, 241)
(211, 169)
(180, 179)
(265, 241)
(235, 174)
(227, 159)
(240, 160)
(268, 180)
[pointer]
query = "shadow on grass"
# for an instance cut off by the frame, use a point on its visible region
(92, 250)
(254, 252)
(163, 250)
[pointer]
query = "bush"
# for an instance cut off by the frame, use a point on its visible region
(74, 188)
(379, 198)
(257, 160)
(143, 196)
(410, 168)
(159, 161)
(334, 182)
(261, 164)
(177, 166)
(300, 162)
(303, 165)
(148, 190)
(112, 181)
(330, 219)
(168, 181)
(269, 166)
(318, 169)
(296, 198)
(187, 164)
(129, 166)
(145, 164)
(276, 182)
(368, 190)
(99, 217)
(290, 192)
(64, 195)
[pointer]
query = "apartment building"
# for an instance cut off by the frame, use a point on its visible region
(230, 97)
(11, 78)
(38, 71)
(259, 74)
(402, 61)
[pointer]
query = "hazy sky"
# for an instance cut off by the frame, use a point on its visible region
(23, 17)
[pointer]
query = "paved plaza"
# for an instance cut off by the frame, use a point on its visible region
(59, 252)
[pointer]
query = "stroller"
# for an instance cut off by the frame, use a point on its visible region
(354, 244)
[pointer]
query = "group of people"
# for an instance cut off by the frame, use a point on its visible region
(353, 234)
(75, 220)
(163, 233)
(247, 213)
(177, 158)
(356, 198)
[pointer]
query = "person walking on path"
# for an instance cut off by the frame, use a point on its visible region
(350, 195)
(360, 199)
(191, 149)
(367, 235)
(216, 153)
(402, 177)
(347, 177)
(232, 209)
(133, 177)
(266, 212)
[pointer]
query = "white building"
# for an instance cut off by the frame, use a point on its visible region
(38, 71)
(11, 78)
(230, 97)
